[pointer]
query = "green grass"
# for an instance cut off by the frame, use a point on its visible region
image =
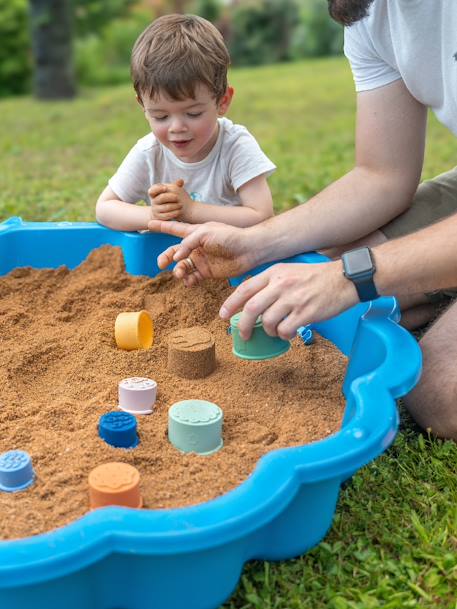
(393, 543)
(57, 157)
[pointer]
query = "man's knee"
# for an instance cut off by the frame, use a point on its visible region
(436, 414)
(433, 403)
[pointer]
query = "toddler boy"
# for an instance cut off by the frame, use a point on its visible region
(195, 165)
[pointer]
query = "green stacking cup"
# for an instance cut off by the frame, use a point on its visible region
(195, 426)
(260, 345)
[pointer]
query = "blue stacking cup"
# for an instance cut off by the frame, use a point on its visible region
(16, 471)
(118, 429)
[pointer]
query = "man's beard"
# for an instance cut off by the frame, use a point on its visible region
(348, 12)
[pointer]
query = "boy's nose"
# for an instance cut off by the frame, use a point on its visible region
(177, 125)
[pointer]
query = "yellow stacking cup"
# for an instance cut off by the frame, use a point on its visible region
(134, 330)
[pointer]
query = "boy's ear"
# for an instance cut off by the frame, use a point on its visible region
(225, 101)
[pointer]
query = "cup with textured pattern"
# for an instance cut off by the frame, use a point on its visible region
(118, 429)
(195, 426)
(115, 483)
(16, 471)
(137, 395)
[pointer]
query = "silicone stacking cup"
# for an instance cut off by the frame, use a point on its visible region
(16, 471)
(115, 484)
(260, 346)
(195, 426)
(137, 395)
(134, 330)
(118, 429)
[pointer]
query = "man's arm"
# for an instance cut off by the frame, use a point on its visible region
(119, 215)
(390, 140)
(291, 295)
(420, 262)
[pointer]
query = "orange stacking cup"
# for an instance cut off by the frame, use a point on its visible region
(134, 330)
(115, 484)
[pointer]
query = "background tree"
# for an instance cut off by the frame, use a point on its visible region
(51, 23)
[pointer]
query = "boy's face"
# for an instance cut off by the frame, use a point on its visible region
(189, 127)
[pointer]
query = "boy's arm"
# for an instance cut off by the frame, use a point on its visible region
(119, 215)
(256, 204)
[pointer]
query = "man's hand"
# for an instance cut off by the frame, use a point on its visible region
(216, 250)
(289, 296)
(170, 201)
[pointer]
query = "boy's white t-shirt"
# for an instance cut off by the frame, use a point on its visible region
(415, 40)
(235, 159)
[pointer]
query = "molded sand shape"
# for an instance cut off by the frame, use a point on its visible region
(191, 353)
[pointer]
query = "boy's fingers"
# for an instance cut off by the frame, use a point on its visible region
(156, 189)
(166, 208)
(179, 183)
(167, 216)
(166, 197)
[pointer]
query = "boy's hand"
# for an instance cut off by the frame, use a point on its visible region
(165, 203)
(170, 201)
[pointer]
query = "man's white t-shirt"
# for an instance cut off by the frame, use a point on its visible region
(415, 40)
(235, 159)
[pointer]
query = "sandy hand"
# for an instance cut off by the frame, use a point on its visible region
(217, 250)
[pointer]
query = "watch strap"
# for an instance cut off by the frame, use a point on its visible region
(361, 278)
(366, 288)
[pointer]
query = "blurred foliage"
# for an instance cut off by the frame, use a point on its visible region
(257, 32)
(104, 58)
(262, 31)
(316, 34)
(208, 9)
(91, 16)
(15, 60)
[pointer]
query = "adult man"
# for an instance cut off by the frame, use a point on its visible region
(403, 57)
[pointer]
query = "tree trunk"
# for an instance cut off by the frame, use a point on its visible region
(52, 44)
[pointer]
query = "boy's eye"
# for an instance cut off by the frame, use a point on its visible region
(194, 114)
(160, 118)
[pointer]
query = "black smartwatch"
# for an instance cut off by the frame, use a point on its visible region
(359, 267)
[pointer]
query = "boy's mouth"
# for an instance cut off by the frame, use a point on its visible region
(180, 143)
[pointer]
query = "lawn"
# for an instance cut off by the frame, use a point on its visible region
(393, 543)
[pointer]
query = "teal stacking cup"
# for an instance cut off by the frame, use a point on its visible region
(260, 346)
(195, 426)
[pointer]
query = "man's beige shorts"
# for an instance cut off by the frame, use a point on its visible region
(434, 200)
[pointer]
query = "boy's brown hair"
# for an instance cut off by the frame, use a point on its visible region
(175, 54)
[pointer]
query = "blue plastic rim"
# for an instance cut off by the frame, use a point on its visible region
(118, 429)
(16, 471)
(306, 334)
(282, 510)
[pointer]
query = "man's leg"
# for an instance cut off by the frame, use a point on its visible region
(433, 403)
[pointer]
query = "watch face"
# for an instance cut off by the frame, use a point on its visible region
(358, 261)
